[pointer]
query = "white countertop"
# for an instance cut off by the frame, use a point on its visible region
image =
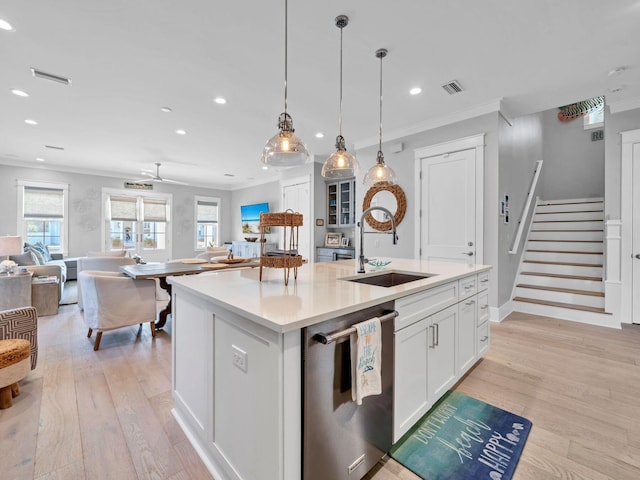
(318, 294)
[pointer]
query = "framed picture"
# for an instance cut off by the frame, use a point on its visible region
(319, 222)
(344, 242)
(332, 239)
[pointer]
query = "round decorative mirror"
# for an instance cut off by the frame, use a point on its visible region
(392, 198)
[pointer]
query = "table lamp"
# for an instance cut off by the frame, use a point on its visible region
(9, 245)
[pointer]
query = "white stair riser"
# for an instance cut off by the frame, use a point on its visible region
(570, 207)
(563, 297)
(572, 283)
(593, 225)
(566, 246)
(569, 216)
(595, 259)
(551, 235)
(591, 318)
(562, 269)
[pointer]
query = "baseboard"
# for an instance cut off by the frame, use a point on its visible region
(590, 318)
(500, 313)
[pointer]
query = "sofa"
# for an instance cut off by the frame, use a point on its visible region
(53, 266)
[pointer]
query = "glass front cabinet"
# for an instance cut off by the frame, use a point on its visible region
(341, 210)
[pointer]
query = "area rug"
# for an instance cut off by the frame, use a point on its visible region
(462, 438)
(70, 293)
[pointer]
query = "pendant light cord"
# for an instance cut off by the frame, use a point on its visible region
(340, 109)
(380, 144)
(286, 8)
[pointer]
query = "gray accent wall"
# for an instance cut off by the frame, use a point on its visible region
(573, 164)
(85, 197)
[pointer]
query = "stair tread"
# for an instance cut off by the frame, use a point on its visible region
(545, 231)
(569, 212)
(562, 251)
(562, 290)
(571, 201)
(560, 304)
(567, 221)
(558, 275)
(564, 263)
(570, 241)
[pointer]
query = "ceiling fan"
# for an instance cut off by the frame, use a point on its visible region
(157, 177)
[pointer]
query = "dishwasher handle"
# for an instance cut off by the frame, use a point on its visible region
(327, 338)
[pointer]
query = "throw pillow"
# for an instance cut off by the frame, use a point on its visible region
(44, 250)
(23, 259)
(39, 258)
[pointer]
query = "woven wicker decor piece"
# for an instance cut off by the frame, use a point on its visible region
(13, 351)
(291, 221)
(401, 201)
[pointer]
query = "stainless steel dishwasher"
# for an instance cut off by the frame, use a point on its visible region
(342, 440)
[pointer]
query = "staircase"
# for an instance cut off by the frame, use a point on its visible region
(562, 268)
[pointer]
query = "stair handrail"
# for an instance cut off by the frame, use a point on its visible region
(527, 205)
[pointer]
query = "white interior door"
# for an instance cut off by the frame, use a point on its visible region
(448, 193)
(297, 197)
(635, 252)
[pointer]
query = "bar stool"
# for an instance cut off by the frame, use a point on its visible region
(15, 364)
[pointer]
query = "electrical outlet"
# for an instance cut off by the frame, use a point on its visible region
(239, 358)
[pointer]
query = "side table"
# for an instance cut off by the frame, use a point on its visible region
(44, 296)
(15, 290)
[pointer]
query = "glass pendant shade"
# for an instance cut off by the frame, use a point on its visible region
(285, 148)
(340, 164)
(380, 173)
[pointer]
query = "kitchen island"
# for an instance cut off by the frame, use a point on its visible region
(238, 347)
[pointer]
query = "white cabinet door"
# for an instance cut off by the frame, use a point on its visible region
(483, 339)
(467, 310)
(441, 371)
(411, 394)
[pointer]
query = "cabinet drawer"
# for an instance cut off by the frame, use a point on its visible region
(468, 286)
(419, 305)
(483, 281)
(483, 338)
(325, 252)
(483, 307)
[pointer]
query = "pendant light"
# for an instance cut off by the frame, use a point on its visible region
(340, 164)
(380, 172)
(285, 149)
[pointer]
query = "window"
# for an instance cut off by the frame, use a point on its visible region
(42, 215)
(207, 218)
(138, 223)
(594, 119)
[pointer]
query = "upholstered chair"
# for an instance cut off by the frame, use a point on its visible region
(102, 264)
(113, 300)
(21, 323)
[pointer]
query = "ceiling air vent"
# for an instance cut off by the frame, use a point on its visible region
(50, 76)
(452, 87)
(53, 147)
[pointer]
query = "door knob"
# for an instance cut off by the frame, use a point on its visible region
(471, 254)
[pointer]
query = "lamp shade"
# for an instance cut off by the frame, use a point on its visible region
(380, 173)
(285, 148)
(10, 245)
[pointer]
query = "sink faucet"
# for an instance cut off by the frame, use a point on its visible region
(361, 258)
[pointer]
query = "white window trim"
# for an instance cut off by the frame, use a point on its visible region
(64, 241)
(202, 198)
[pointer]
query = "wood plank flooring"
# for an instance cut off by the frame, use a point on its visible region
(106, 414)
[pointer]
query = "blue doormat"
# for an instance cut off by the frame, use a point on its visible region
(462, 438)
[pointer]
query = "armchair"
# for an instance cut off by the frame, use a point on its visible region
(21, 323)
(113, 300)
(102, 264)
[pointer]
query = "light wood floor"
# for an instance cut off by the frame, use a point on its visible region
(106, 414)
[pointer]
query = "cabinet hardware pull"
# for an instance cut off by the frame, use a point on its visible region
(484, 280)
(470, 302)
(437, 334)
(468, 253)
(433, 336)
(467, 287)
(484, 307)
(327, 338)
(484, 339)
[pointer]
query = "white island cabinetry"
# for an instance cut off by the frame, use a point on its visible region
(237, 366)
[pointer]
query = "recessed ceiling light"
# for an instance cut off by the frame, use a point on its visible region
(39, 159)
(616, 89)
(616, 71)
(220, 100)
(181, 132)
(19, 93)
(265, 167)
(415, 91)
(166, 109)
(319, 135)
(229, 175)
(4, 25)
(28, 121)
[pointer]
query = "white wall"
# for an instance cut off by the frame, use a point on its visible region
(573, 164)
(85, 196)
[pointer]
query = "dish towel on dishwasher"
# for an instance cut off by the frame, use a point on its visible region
(366, 360)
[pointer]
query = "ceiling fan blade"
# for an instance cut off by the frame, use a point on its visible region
(176, 182)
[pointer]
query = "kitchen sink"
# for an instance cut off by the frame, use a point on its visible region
(390, 279)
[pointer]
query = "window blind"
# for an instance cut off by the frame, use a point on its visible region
(123, 208)
(207, 211)
(43, 202)
(154, 210)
